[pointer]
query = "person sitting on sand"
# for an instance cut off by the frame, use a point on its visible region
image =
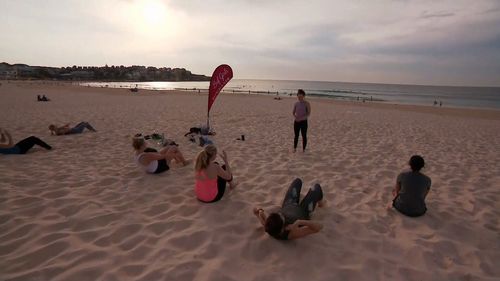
(211, 178)
(292, 220)
(42, 98)
(411, 189)
(7, 146)
(66, 130)
(154, 162)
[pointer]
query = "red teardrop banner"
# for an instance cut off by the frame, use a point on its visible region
(222, 74)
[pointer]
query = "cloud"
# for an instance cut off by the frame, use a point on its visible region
(426, 15)
(374, 41)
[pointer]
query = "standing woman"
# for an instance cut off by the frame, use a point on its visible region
(301, 111)
(211, 178)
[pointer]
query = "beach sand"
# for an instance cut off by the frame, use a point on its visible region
(85, 211)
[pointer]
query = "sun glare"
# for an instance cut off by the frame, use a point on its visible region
(153, 19)
(154, 12)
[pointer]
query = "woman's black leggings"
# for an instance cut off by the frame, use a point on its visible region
(221, 187)
(28, 143)
(300, 126)
(309, 202)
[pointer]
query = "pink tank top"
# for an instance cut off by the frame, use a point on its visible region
(206, 189)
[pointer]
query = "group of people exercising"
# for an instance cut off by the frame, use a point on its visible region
(292, 219)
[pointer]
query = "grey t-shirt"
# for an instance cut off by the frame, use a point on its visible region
(411, 198)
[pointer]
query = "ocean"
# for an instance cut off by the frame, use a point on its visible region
(476, 97)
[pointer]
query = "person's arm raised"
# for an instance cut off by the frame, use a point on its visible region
(225, 174)
(302, 228)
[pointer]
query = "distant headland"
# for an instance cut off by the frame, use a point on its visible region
(97, 73)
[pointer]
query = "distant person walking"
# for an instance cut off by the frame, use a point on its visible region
(301, 111)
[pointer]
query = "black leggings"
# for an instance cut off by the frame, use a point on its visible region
(162, 164)
(28, 143)
(221, 187)
(300, 126)
(308, 203)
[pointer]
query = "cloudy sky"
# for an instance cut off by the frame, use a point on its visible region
(437, 42)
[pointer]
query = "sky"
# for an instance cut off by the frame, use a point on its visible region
(431, 42)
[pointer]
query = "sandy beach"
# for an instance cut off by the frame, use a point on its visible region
(85, 211)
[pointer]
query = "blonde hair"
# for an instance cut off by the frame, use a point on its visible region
(203, 158)
(137, 142)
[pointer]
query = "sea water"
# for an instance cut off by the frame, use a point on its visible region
(479, 97)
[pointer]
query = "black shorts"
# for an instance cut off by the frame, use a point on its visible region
(162, 166)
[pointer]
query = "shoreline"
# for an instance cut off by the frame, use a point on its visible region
(477, 112)
(262, 93)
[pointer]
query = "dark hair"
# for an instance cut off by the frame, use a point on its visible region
(274, 224)
(416, 163)
(301, 92)
(138, 142)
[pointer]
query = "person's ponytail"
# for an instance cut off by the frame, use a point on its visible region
(203, 158)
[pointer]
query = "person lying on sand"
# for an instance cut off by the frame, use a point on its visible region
(66, 130)
(292, 220)
(203, 130)
(154, 162)
(411, 189)
(7, 146)
(211, 178)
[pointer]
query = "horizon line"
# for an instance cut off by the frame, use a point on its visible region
(272, 79)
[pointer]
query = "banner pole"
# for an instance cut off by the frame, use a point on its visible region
(208, 122)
